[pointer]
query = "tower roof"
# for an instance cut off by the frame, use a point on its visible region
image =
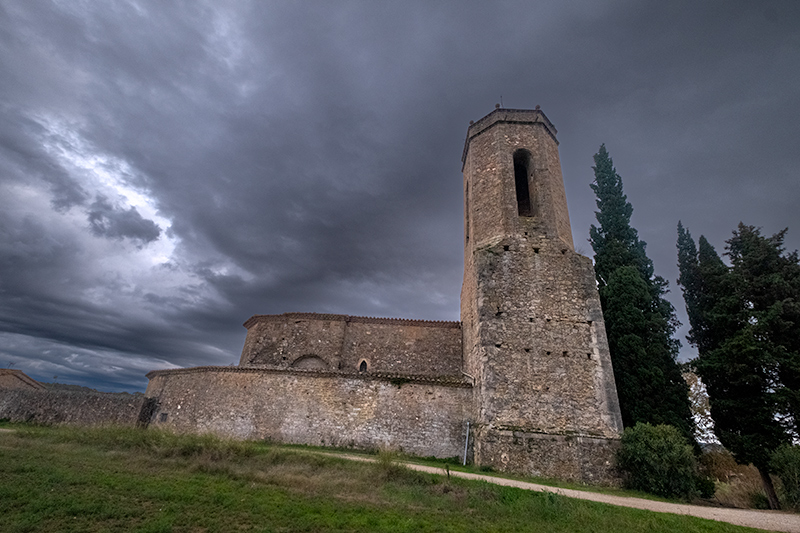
(507, 116)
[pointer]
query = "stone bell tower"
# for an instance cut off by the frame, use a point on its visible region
(534, 340)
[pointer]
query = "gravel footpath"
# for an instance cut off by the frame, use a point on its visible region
(769, 520)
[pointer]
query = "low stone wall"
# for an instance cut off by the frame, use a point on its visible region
(573, 458)
(416, 415)
(70, 407)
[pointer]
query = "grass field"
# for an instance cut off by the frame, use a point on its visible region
(93, 480)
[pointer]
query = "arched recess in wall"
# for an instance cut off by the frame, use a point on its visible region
(310, 362)
(363, 366)
(526, 205)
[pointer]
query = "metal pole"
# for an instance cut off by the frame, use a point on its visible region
(466, 444)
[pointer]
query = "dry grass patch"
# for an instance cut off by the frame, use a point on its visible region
(737, 486)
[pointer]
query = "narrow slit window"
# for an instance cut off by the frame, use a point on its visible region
(522, 160)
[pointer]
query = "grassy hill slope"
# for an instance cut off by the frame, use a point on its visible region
(79, 479)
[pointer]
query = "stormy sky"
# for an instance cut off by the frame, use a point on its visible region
(168, 169)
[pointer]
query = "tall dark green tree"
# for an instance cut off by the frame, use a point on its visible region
(745, 323)
(710, 302)
(770, 282)
(640, 322)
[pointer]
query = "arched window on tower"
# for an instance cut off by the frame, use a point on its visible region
(522, 163)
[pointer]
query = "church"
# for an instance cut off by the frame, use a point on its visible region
(522, 383)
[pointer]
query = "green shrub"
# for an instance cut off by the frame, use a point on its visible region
(706, 487)
(659, 460)
(786, 465)
(759, 500)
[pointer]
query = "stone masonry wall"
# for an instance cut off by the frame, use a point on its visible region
(281, 340)
(318, 408)
(546, 396)
(406, 349)
(574, 458)
(340, 343)
(546, 368)
(70, 407)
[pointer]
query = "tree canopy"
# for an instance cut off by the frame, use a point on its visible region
(745, 323)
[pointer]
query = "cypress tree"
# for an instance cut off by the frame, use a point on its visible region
(709, 303)
(640, 322)
(690, 280)
(770, 281)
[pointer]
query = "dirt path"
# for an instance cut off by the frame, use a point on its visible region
(769, 520)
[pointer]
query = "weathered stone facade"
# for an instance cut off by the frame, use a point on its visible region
(527, 367)
(343, 343)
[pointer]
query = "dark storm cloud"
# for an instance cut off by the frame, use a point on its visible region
(22, 157)
(247, 157)
(111, 221)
